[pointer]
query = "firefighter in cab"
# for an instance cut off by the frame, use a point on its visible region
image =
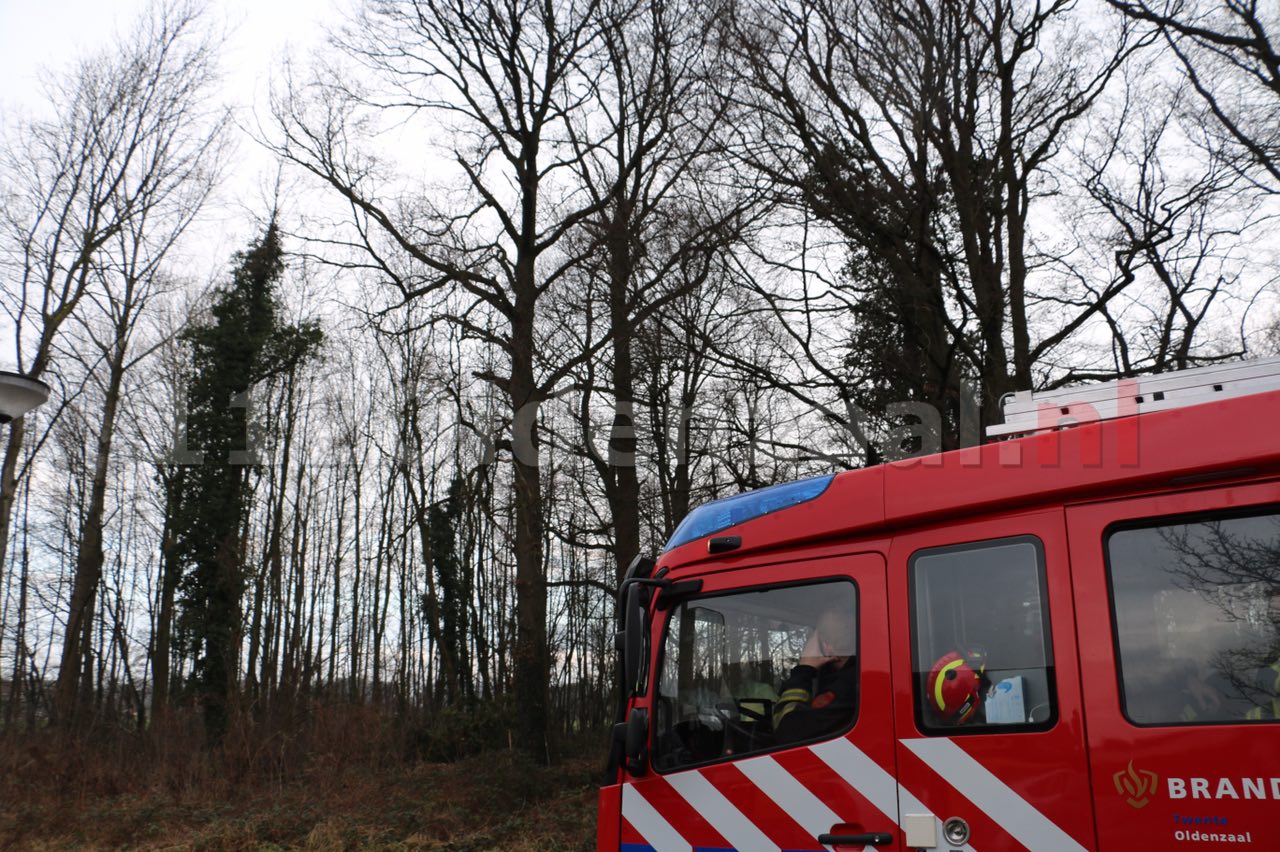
(819, 696)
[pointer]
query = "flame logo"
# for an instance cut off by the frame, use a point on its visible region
(1136, 785)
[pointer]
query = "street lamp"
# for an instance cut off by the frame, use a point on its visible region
(19, 394)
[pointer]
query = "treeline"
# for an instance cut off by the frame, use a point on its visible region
(550, 275)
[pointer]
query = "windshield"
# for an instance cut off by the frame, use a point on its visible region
(732, 663)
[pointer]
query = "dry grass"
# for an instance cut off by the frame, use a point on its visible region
(51, 798)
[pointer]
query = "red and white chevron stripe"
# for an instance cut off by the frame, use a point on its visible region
(784, 801)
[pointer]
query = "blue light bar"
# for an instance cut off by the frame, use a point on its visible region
(721, 514)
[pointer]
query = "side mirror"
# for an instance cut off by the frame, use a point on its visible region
(637, 740)
(633, 640)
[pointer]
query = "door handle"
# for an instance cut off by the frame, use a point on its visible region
(875, 838)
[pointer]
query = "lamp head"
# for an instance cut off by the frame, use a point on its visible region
(19, 394)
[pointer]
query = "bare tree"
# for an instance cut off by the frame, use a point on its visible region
(921, 132)
(1170, 222)
(505, 76)
(177, 159)
(674, 355)
(124, 143)
(1230, 57)
(666, 208)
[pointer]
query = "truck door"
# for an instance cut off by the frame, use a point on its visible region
(991, 752)
(748, 749)
(1179, 604)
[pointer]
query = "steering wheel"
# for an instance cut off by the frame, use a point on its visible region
(729, 714)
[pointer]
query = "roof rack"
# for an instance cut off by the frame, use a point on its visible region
(1026, 412)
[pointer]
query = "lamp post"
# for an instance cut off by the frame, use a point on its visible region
(19, 394)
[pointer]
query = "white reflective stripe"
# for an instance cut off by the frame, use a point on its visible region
(792, 796)
(862, 774)
(873, 783)
(656, 831)
(1010, 811)
(712, 806)
(911, 805)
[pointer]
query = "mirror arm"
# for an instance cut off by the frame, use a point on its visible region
(672, 588)
(640, 581)
(675, 592)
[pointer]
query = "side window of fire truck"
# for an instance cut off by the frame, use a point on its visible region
(1196, 607)
(727, 667)
(980, 638)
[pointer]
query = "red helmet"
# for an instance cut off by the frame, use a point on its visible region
(955, 685)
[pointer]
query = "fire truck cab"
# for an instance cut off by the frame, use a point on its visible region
(1067, 639)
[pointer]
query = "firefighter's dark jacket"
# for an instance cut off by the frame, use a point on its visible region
(813, 702)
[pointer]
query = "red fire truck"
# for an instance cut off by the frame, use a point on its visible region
(1065, 639)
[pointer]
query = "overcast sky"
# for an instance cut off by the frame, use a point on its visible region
(53, 33)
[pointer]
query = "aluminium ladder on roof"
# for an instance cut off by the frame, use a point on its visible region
(1026, 411)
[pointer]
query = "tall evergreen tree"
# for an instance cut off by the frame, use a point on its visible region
(454, 588)
(244, 342)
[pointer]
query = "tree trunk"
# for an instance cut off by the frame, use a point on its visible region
(530, 661)
(9, 485)
(624, 495)
(88, 575)
(170, 570)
